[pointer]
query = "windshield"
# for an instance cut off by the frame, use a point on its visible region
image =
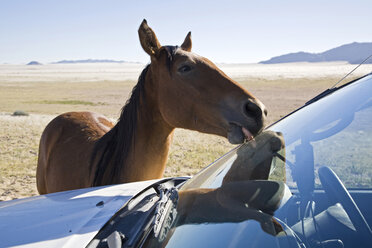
(286, 188)
(335, 132)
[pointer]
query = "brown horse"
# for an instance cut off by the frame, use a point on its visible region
(177, 89)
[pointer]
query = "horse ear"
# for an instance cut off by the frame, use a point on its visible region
(148, 39)
(187, 43)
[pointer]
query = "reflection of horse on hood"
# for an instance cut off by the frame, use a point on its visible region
(245, 192)
(177, 89)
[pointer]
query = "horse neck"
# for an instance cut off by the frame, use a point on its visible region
(137, 147)
(153, 136)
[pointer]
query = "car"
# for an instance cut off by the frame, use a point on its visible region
(305, 181)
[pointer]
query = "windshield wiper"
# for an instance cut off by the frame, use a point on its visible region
(321, 95)
(159, 218)
(335, 87)
(165, 212)
(150, 212)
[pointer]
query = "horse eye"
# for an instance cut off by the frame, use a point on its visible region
(185, 68)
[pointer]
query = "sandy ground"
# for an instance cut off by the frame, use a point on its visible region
(19, 138)
(131, 71)
(104, 88)
(70, 72)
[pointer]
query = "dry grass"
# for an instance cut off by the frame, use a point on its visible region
(44, 99)
(19, 140)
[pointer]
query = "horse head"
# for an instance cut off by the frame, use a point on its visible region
(193, 93)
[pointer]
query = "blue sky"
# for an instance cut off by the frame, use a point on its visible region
(223, 31)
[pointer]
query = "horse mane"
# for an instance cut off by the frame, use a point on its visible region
(116, 144)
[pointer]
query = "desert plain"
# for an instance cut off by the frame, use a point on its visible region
(44, 91)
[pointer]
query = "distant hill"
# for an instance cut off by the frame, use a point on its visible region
(90, 61)
(354, 53)
(34, 63)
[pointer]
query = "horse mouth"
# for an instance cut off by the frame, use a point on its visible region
(238, 134)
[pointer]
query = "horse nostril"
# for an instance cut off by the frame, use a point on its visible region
(265, 112)
(252, 109)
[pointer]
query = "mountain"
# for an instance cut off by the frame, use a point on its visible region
(354, 53)
(34, 63)
(89, 61)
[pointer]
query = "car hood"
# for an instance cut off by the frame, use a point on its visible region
(64, 219)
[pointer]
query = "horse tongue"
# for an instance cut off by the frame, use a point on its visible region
(248, 135)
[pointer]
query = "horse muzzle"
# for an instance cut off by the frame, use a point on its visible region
(246, 123)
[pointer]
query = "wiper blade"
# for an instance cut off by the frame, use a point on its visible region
(342, 79)
(321, 95)
(151, 211)
(334, 87)
(160, 217)
(165, 212)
